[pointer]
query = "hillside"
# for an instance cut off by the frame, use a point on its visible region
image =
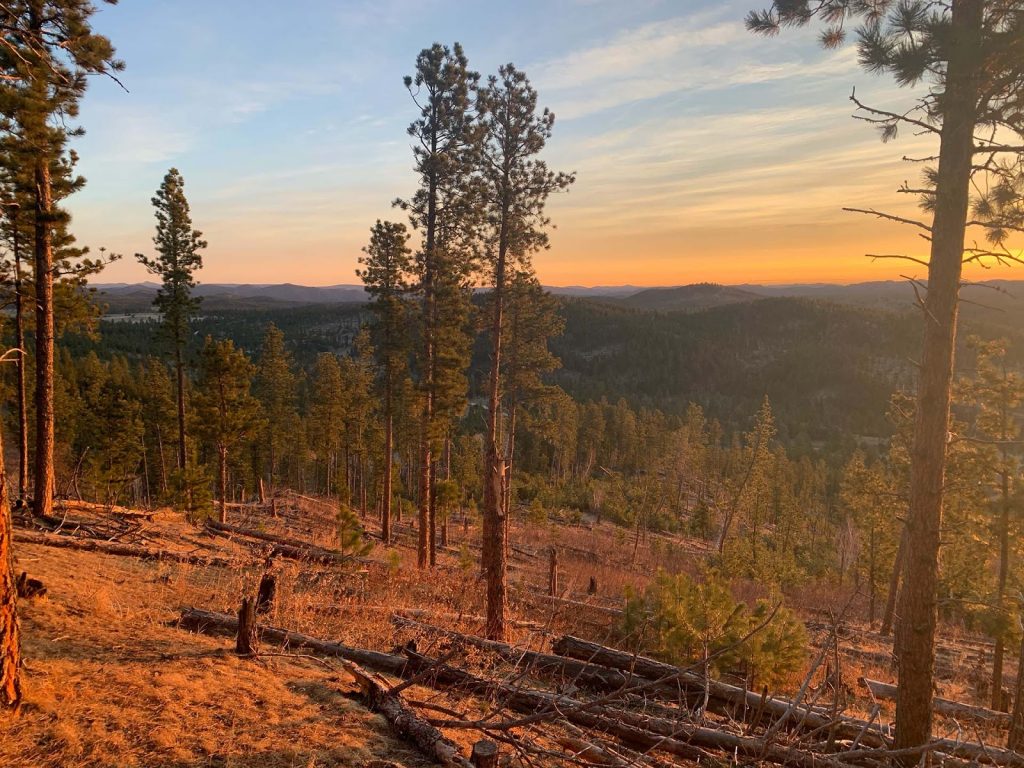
(828, 369)
(688, 298)
(118, 674)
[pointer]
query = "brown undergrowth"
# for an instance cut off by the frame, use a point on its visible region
(110, 681)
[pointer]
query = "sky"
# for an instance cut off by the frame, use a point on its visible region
(702, 152)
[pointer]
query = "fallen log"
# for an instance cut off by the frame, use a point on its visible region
(406, 723)
(668, 735)
(675, 737)
(679, 737)
(750, 701)
(590, 676)
(283, 546)
(561, 601)
(110, 509)
(116, 548)
(948, 707)
(212, 623)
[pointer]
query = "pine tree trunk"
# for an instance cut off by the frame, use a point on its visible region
(917, 601)
(509, 457)
(389, 439)
(10, 637)
(428, 379)
(894, 585)
(163, 460)
(19, 340)
(222, 481)
(1015, 741)
(179, 373)
(493, 556)
(1004, 572)
(44, 479)
(432, 517)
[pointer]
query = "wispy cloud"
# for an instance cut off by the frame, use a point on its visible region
(693, 53)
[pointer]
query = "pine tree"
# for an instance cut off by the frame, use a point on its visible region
(867, 496)
(226, 413)
(159, 414)
(516, 187)
(531, 320)
(357, 374)
(350, 533)
(49, 50)
(385, 273)
(443, 134)
(748, 481)
(178, 257)
(327, 414)
(276, 388)
(996, 393)
(969, 54)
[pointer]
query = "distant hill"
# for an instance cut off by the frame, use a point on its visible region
(138, 297)
(999, 304)
(688, 298)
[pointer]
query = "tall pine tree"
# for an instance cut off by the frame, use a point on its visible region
(49, 50)
(516, 187)
(226, 413)
(276, 388)
(178, 258)
(443, 133)
(385, 273)
(968, 57)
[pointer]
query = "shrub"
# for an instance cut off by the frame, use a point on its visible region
(350, 533)
(684, 620)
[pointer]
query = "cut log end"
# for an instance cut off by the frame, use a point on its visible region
(485, 754)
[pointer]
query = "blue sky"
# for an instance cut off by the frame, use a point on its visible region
(702, 152)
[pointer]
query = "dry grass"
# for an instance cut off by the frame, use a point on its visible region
(111, 682)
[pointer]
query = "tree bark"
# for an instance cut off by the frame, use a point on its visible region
(245, 641)
(222, 481)
(917, 601)
(389, 449)
(44, 475)
(1004, 573)
(19, 340)
(209, 622)
(947, 707)
(179, 373)
(10, 633)
(494, 556)
(406, 723)
(1016, 738)
(894, 585)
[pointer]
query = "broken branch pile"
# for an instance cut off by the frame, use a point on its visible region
(757, 727)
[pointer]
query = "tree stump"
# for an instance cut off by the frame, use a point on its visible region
(592, 588)
(28, 588)
(245, 643)
(485, 754)
(553, 574)
(266, 593)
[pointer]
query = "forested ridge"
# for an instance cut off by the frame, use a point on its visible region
(828, 368)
